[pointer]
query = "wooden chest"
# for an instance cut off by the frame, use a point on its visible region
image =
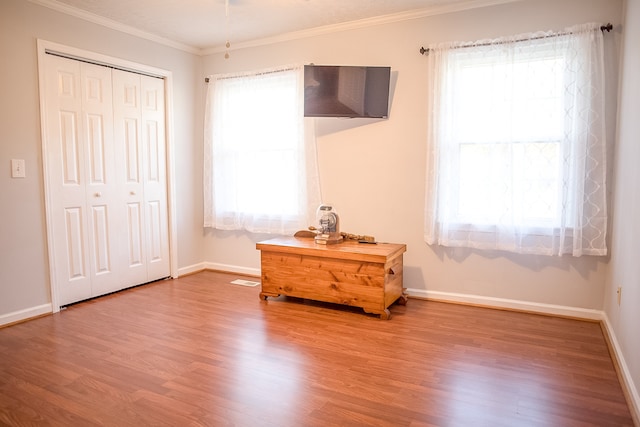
(351, 273)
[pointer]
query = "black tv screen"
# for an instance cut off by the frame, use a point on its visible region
(346, 91)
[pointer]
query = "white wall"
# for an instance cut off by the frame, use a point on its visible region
(24, 270)
(373, 170)
(624, 269)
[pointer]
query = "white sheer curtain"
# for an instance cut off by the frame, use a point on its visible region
(260, 168)
(516, 144)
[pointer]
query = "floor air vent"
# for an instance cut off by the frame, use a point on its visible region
(242, 282)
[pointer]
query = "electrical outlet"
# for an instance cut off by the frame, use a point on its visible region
(619, 292)
(17, 168)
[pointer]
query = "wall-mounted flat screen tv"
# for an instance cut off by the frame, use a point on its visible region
(346, 91)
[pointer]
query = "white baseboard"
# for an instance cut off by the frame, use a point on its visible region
(233, 269)
(27, 313)
(633, 395)
(219, 267)
(556, 310)
(191, 269)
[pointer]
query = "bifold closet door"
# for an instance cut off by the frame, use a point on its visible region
(105, 166)
(140, 134)
(82, 192)
(155, 177)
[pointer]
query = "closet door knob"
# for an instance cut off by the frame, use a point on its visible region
(98, 194)
(133, 193)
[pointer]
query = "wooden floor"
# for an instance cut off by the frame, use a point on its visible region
(201, 351)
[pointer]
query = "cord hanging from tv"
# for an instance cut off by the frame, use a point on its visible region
(346, 91)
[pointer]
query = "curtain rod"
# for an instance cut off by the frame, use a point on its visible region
(261, 73)
(608, 27)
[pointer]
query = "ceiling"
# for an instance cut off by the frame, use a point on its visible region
(203, 26)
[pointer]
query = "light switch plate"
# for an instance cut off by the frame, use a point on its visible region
(17, 168)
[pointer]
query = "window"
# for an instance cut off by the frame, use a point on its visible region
(517, 144)
(260, 158)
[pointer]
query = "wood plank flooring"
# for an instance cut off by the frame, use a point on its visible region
(199, 351)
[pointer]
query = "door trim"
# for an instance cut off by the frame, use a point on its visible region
(45, 48)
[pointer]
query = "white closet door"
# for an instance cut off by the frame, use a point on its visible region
(155, 177)
(81, 173)
(127, 124)
(103, 195)
(140, 140)
(105, 165)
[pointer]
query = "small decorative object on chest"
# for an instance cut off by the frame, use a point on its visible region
(328, 225)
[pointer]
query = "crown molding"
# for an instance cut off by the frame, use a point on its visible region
(295, 35)
(361, 23)
(114, 25)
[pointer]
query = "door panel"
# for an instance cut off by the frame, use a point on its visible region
(135, 240)
(96, 145)
(132, 149)
(66, 173)
(75, 239)
(153, 156)
(69, 141)
(67, 83)
(155, 178)
(100, 184)
(102, 244)
(140, 120)
(127, 119)
(155, 234)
